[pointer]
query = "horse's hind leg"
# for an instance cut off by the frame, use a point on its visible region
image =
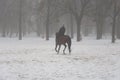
(69, 48)
(64, 48)
(69, 51)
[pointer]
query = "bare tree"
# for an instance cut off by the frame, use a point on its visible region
(102, 9)
(118, 27)
(116, 10)
(47, 19)
(71, 21)
(78, 8)
(20, 19)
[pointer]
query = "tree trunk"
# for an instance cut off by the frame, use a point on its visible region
(114, 23)
(118, 31)
(38, 31)
(118, 28)
(99, 30)
(79, 21)
(79, 37)
(100, 18)
(20, 20)
(38, 27)
(47, 21)
(113, 30)
(4, 31)
(86, 31)
(72, 34)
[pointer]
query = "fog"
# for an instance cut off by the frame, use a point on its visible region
(43, 18)
(34, 45)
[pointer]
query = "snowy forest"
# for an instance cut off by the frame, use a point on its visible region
(32, 47)
(99, 18)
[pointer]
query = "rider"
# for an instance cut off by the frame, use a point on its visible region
(62, 31)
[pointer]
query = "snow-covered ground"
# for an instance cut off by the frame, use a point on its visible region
(35, 59)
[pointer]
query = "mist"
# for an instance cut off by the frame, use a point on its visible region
(43, 18)
(59, 39)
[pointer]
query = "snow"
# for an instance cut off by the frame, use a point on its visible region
(36, 59)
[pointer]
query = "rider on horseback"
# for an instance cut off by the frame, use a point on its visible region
(62, 31)
(62, 39)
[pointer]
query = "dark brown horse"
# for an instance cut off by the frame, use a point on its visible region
(63, 40)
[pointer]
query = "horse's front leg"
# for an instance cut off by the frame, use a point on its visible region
(56, 48)
(59, 48)
(64, 48)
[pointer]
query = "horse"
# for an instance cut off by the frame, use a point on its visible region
(62, 40)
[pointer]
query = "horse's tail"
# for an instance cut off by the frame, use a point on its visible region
(69, 44)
